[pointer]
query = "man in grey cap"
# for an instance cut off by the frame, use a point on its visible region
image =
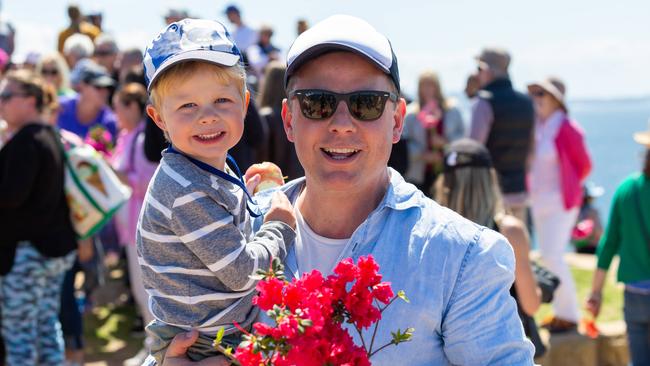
(343, 113)
(502, 120)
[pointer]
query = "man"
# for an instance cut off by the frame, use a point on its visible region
(77, 25)
(262, 52)
(7, 35)
(502, 120)
(106, 53)
(456, 274)
(173, 15)
(243, 35)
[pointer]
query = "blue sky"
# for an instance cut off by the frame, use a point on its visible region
(601, 49)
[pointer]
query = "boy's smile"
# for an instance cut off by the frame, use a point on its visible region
(203, 115)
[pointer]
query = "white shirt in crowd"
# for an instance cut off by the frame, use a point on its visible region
(244, 37)
(545, 189)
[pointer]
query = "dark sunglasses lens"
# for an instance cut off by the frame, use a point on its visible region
(367, 106)
(50, 72)
(318, 105)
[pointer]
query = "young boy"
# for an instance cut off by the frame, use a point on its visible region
(194, 238)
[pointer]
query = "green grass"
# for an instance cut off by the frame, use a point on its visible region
(107, 328)
(612, 307)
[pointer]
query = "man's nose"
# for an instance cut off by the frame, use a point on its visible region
(341, 120)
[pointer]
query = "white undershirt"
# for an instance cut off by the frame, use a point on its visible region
(314, 251)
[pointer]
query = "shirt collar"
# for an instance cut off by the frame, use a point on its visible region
(400, 194)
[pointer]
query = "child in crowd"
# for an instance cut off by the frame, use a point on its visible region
(588, 229)
(194, 239)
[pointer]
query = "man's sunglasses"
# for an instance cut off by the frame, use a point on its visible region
(7, 95)
(364, 105)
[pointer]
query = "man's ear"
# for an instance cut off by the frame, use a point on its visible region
(287, 120)
(398, 119)
(156, 117)
(247, 99)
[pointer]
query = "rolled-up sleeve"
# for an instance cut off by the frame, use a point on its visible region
(480, 324)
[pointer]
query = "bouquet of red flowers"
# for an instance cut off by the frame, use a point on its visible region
(309, 314)
(101, 140)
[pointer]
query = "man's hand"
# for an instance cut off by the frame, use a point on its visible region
(176, 352)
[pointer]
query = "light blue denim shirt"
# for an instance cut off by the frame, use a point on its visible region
(456, 274)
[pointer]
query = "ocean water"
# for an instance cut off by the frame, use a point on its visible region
(609, 126)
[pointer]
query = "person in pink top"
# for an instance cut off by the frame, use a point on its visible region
(559, 165)
(135, 170)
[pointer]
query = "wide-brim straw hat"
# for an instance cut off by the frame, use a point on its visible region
(643, 137)
(554, 87)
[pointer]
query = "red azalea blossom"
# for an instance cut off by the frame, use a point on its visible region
(310, 313)
(270, 293)
(383, 292)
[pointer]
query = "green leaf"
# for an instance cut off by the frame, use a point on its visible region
(306, 322)
(399, 337)
(219, 336)
(402, 295)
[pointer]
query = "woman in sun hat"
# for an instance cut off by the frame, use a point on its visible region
(628, 235)
(559, 164)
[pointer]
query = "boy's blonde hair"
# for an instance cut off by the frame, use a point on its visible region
(182, 70)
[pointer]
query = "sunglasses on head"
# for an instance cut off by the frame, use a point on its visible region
(364, 105)
(7, 95)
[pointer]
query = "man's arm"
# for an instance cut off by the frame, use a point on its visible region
(482, 119)
(480, 325)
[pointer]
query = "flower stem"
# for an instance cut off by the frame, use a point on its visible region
(380, 348)
(231, 358)
(374, 332)
(363, 343)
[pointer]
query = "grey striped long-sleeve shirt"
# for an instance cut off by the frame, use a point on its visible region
(197, 251)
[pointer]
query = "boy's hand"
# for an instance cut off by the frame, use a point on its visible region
(281, 210)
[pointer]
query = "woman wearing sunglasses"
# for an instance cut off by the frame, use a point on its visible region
(559, 165)
(54, 70)
(431, 122)
(38, 240)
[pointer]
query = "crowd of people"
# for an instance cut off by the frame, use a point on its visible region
(367, 176)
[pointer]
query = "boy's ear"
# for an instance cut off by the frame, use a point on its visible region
(247, 99)
(155, 116)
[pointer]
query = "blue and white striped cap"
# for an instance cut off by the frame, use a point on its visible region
(343, 33)
(189, 39)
